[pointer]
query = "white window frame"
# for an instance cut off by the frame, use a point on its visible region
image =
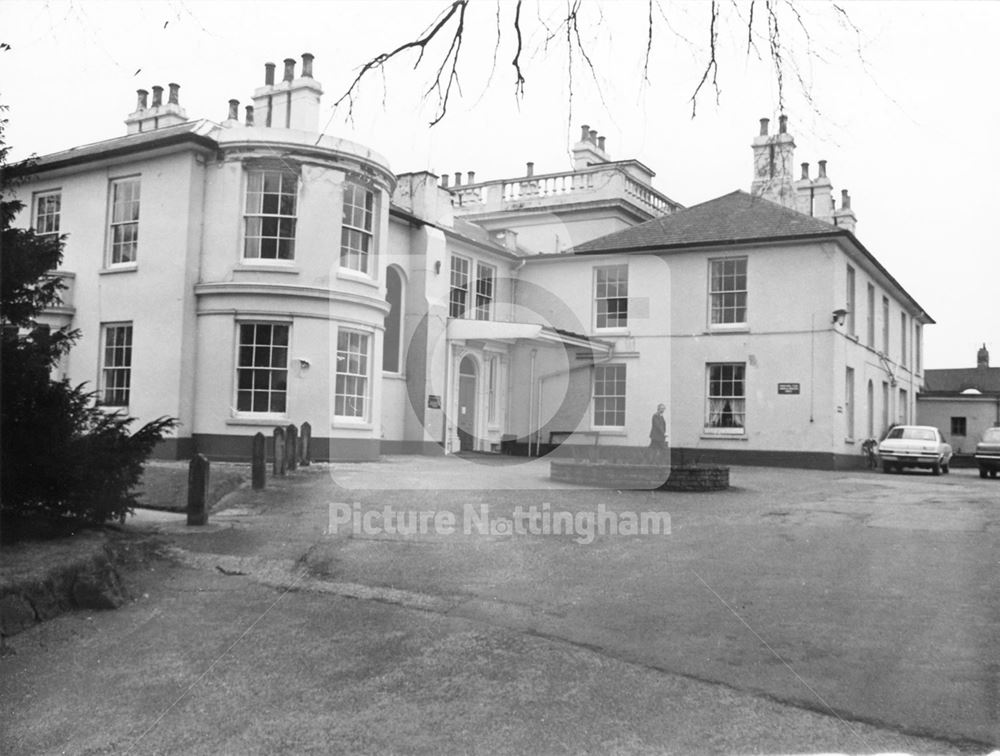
(459, 282)
(719, 295)
(600, 395)
(116, 373)
(849, 401)
(715, 402)
(871, 317)
(357, 234)
(885, 325)
(604, 293)
(485, 291)
(354, 366)
(116, 223)
(903, 358)
(851, 304)
(282, 217)
(273, 369)
(47, 223)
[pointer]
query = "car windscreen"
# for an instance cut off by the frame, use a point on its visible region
(913, 434)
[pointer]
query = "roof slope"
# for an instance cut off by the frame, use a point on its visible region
(957, 380)
(731, 218)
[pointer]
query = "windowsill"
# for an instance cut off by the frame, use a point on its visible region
(122, 268)
(271, 421)
(716, 435)
(113, 409)
(394, 375)
(612, 331)
(349, 274)
(609, 431)
(850, 441)
(728, 328)
(348, 423)
(283, 266)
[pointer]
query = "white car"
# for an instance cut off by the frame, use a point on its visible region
(915, 446)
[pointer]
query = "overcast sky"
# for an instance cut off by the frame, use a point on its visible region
(904, 107)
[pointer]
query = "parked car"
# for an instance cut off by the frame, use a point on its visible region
(988, 453)
(915, 446)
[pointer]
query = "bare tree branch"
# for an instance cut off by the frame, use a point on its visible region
(712, 66)
(516, 62)
(649, 44)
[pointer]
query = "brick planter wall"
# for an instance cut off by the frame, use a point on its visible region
(622, 476)
(698, 478)
(638, 477)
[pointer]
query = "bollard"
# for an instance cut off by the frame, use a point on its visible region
(197, 502)
(305, 436)
(291, 448)
(279, 451)
(258, 464)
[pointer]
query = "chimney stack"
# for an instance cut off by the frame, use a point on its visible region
(444, 181)
(307, 65)
(149, 117)
(472, 177)
(531, 169)
(249, 119)
(269, 74)
(822, 169)
(289, 69)
(592, 137)
(773, 161)
(600, 143)
(585, 131)
(458, 178)
(805, 171)
(234, 110)
(142, 102)
(174, 96)
(157, 96)
(290, 103)
(845, 217)
(983, 357)
(589, 150)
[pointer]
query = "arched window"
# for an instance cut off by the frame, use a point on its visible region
(393, 321)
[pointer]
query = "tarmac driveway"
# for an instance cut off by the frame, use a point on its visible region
(867, 602)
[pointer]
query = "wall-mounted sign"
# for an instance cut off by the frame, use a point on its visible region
(433, 401)
(788, 388)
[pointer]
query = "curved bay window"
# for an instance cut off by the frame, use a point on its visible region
(357, 229)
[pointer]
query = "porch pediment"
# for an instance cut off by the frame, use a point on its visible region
(511, 333)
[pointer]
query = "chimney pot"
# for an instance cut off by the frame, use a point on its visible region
(585, 131)
(444, 181)
(234, 108)
(983, 357)
(249, 115)
(531, 168)
(269, 74)
(805, 171)
(593, 136)
(763, 126)
(174, 97)
(472, 177)
(845, 199)
(307, 65)
(782, 124)
(141, 103)
(157, 96)
(822, 169)
(600, 143)
(458, 178)
(289, 69)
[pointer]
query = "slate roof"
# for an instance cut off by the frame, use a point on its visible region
(196, 132)
(957, 380)
(732, 218)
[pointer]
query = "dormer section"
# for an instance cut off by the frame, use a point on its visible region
(292, 103)
(158, 115)
(589, 150)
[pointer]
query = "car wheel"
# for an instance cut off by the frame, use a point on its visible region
(946, 468)
(993, 473)
(982, 472)
(886, 468)
(936, 469)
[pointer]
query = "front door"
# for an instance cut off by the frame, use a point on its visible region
(467, 404)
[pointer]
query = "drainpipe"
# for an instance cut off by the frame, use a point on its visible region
(531, 382)
(553, 374)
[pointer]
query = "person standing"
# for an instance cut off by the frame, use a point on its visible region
(658, 435)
